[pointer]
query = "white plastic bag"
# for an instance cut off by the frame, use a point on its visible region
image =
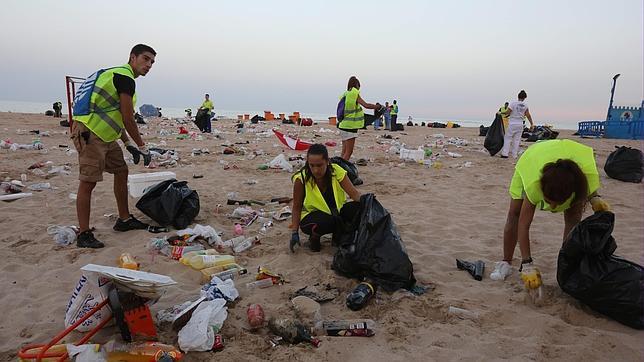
(89, 292)
(207, 319)
(207, 232)
(281, 162)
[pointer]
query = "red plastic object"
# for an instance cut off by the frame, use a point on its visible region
(23, 354)
(139, 321)
(255, 315)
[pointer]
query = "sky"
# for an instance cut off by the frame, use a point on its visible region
(456, 59)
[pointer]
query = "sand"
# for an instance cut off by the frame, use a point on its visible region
(441, 214)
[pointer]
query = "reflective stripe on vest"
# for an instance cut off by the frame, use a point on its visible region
(104, 116)
(313, 199)
(530, 167)
(353, 114)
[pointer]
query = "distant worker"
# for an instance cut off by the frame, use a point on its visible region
(394, 116)
(58, 109)
(353, 117)
(387, 114)
(103, 108)
(512, 139)
(208, 107)
(504, 112)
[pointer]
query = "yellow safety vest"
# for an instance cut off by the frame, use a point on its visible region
(313, 199)
(208, 105)
(528, 171)
(504, 111)
(394, 110)
(101, 113)
(353, 114)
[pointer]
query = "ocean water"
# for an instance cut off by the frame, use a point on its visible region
(41, 107)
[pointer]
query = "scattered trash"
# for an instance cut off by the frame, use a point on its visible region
(63, 235)
(140, 351)
(360, 296)
(205, 232)
(323, 294)
(199, 333)
(40, 186)
(280, 162)
(255, 316)
(462, 313)
(476, 269)
(218, 288)
(349, 328)
(126, 260)
(292, 331)
(454, 154)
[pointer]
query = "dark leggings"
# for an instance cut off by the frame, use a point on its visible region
(322, 223)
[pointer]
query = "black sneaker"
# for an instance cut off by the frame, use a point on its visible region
(86, 239)
(130, 224)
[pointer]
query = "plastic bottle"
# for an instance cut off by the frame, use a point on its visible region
(245, 245)
(206, 261)
(462, 313)
(186, 256)
(262, 283)
(228, 274)
(359, 297)
(178, 251)
(255, 315)
(142, 352)
(40, 186)
(126, 260)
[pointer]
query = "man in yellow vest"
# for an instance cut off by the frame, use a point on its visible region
(394, 116)
(103, 110)
(208, 107)
(504, 112)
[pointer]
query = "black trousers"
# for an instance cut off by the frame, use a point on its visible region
(394, 119)
(321, 223)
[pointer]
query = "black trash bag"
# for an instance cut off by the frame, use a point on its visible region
(352, 170)
(483, 130)
(201, 119)
(369, 119)
(494, 138)
(170, 202)
(256, 118)
(410, 124)
(371, 248)
(625, 164)
(588, 271)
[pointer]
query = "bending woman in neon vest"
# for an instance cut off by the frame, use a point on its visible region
(319, 198)
(555, 175)
(353, 117)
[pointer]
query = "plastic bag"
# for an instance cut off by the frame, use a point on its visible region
(207, 319)
(170, 202)
(625, 164)
(588, 271)
(352, 170)
(494, 138)
(63, 235)
(371, 248)
(89, 292)
(280, 162)
(207, 232)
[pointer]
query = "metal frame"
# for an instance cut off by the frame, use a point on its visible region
(70, 84)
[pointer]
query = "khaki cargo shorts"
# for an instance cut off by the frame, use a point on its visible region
(94, 155)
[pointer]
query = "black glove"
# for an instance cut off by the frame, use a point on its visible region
(147, 156)
(136, 154)
(295, 239)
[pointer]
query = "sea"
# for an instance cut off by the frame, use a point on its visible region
(173, 112)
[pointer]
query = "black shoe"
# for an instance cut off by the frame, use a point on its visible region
(314, 243)
(86, 239)
(504, 156)
(130, 224)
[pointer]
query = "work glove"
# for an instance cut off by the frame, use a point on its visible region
(138, 152)
(599, 204)
(531, 276)
(295, 239)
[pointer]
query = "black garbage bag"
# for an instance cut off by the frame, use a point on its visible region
(483, 130)
(494, 138)
(170, 202)
(352, 170)
(625, 164)
(371, 248)
(201, 119)
(588, 271)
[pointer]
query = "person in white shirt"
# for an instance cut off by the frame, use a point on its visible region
(518, 110)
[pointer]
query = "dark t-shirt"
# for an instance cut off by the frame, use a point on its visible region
(124, 84)
(330, 199)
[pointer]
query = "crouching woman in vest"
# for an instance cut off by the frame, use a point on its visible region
(555, 175)
(319, 198)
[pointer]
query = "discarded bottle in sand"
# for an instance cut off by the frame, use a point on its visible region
(462, 313)
(292, 331)
(360, 296)
(126, 260)
(349, 328)
(142, 352)
(178, 251)
(262, 283)
(186, 256)
(206, 261)
(229, 274)
(245, 244)
(255, 315)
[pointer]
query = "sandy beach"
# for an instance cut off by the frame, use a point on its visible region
(456, 211)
